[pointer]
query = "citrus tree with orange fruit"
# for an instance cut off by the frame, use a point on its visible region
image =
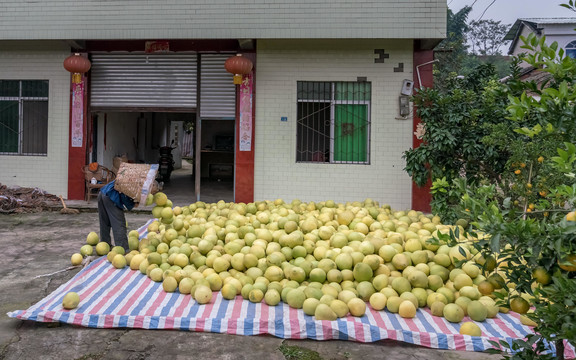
(526, 218)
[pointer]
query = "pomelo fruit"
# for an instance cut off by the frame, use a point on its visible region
(357, 307)
(102, 248)
(92, 238)
(309, 306)
(477, 311)
(470, 328)
(70, 300)
(76, 259)
(339, 307)
(169, 284)
(407, 309)
(378, 301)
(202, 294)
(324, 312)
(453, 313)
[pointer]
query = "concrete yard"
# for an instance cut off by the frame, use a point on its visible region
(42, 243)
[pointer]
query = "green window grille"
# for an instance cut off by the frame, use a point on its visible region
(23, 117)
(333, 122)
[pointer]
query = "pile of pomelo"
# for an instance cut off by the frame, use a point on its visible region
(329, 259)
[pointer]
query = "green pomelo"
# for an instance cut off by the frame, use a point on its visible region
(324, 312)
(393, 303)
(477, 311)
(309, 306)
(401, 285)
(453, 313)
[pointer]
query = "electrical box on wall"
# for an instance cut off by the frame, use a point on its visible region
(404, 105)
(407, 86)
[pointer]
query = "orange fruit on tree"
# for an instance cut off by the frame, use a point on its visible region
(486, 288)
(568, 262)
(571, 216)
(519, 305)
(542, 276)
(518, 172)
(541, 159)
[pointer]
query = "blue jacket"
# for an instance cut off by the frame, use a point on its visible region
(120, 200)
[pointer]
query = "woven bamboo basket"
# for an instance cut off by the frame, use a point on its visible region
(135, 180)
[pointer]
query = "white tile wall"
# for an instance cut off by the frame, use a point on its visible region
(280, 64)
(40, 61)
(217, 19)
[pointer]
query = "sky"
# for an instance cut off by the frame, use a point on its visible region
(507, 11)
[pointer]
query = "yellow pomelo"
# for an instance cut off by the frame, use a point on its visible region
(76, 259)
(70, 300)
(407, 309)
(255, 295)
(272, 297)
(160, 198)
(136, 261)
(102, 248)
(202, 294)
(119, 261)
(378, 301)
(156, 274)
(309, 306)
(437, 308)
(339, 307)
(169, 284)
(462, 280)
(470, 328)
(92, 238)
(357, 307)
(324, 312)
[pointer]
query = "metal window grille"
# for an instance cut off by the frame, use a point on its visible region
(333, 122)
(23, 117)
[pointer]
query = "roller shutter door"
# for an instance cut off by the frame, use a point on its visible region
(217, 91)
(143, 81)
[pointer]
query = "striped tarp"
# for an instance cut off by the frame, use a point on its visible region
(124, 298)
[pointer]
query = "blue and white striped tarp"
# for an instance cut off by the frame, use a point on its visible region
(124, 298)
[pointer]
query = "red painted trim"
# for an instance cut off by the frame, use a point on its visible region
(174, 45)
(421, 196)
(244, 166)
(77, 155)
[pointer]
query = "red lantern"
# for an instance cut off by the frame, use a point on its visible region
(238, 65)
(77, 65)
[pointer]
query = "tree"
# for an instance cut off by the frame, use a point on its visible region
(487, 36)
(451, 52)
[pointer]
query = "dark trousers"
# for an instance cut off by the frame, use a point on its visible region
(111, 217)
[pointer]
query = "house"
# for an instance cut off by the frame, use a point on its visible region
(320, 115)
(560, 30)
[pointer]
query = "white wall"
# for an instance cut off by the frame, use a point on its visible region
(117, 136)
(280, 64)
(40, 61)
(561, 33)
(222, 19)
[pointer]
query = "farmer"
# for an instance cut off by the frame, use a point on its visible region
(111, 205)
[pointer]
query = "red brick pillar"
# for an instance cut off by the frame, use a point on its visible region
(421, 196)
